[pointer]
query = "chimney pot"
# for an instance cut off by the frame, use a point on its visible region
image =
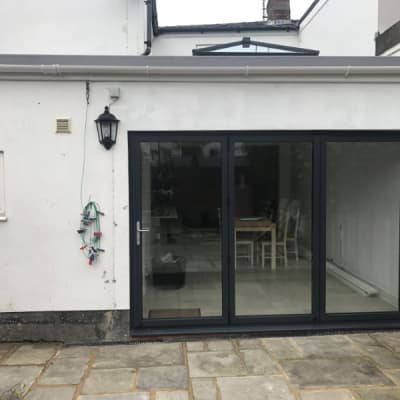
(278, 10)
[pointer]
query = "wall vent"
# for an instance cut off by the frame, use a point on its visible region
(63, 125)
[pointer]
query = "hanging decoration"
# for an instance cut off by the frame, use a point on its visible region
(90, 231)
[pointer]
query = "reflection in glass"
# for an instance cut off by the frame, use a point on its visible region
(181, 253)
(362, 245)
(273, 184)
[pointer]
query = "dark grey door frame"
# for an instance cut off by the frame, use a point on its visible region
(318, 320)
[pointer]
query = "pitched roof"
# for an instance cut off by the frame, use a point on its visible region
(248, 47)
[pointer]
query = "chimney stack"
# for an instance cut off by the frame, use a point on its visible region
(278, 11)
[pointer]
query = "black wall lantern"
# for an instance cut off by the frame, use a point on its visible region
(107, 128)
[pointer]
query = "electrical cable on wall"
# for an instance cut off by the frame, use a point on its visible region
(90, 231)
(84, 141)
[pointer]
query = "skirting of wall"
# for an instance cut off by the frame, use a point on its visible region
(70, 327)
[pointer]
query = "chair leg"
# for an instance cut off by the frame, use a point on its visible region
(285, 257)
(296, 250)
(262, 256)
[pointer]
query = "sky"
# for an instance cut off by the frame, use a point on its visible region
(189, 12)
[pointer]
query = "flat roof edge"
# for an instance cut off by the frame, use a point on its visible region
(199, 62)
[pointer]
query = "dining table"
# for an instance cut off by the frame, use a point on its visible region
(259, 226)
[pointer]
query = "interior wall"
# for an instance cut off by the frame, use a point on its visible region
(363, 213)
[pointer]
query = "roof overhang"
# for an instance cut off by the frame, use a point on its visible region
(217, 68)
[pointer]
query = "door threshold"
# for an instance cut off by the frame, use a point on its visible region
(198, 333)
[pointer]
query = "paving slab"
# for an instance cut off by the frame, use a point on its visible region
(334, 372)
(379, 394)
(391, 339)
(281, 348)
(31, 354)
(123, 396)
(258, 362)
(174, 395)
(212, 364)
(109, 381)
(195, 346)
(77, 352)
(204, 389)
(326, 346)
(220, 345)
(394, 375)
(173, 377)
(64, 371)
(139, 355)
(18, 377)
(254, 388)
(382, 356)
(249, 344)
(58, 393)
(5, 348)
(362, 339)
(338, 394)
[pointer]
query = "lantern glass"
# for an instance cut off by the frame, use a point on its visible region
(107, 128)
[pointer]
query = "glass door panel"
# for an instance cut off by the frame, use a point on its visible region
(272, 228)
(180, 231)
(362, 227)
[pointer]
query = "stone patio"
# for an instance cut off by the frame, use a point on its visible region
(332, 367)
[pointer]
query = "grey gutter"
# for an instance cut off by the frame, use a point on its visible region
(183, 68)
(21, 60)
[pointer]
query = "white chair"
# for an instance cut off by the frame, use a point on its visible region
(248, 244)
(285, 236)
(293, 237)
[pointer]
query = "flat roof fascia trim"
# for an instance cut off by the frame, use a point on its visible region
(148, 73)
(49, 61)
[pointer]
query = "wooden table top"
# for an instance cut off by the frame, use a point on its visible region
(256, 224)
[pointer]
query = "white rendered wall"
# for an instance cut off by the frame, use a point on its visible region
(389, 14)
(87, 27)
(341, 28)
(42, 267)
(183, 44)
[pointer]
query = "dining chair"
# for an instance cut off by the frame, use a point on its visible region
(285, 235)
(292, 237)
(248, 244)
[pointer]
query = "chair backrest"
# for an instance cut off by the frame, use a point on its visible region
(291, 221)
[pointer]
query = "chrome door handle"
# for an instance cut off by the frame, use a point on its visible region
(139, 231)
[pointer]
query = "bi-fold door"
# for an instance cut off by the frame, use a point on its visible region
(216, 227)
(234, 230)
